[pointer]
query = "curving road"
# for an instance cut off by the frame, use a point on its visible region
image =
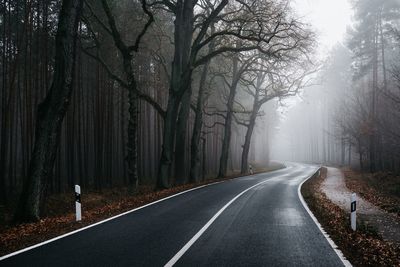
(256, 220)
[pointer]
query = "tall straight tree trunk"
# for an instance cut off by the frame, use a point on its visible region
(383, 53)
(343, 150)
(126, 51)
(198, 122)
(349, 155)
(51, 113)
(181, 75)
(223, 162)
(180, 142)
(3, 128)
(164, 169)
(360, 154)
(372, 139)
(132, 144)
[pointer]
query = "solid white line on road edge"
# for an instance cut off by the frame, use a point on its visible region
(103, 221)
(122, 214)
(180, 253)
(330, 241)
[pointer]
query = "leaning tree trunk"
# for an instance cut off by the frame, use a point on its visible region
(247, 141)
(51, 113)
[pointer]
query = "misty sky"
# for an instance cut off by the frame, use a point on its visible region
(329, 18)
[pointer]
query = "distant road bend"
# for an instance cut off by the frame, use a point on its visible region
(255, 220)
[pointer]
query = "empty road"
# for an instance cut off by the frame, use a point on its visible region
(256, 220)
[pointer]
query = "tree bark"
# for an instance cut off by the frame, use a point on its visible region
(180, 82)
(164, 169)
(223, 162)
(132, 150)
(372, 139)
(126, 51)
(180, 142)
(198, 122)
(247, 141)
(51, 113)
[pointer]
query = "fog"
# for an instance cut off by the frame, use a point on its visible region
(350, 113)
(162, 98)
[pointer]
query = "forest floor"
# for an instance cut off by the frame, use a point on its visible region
(364, 247)
(381, 189)
(96, 206)
(337, 190)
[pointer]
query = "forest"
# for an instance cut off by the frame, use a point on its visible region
(356, 100)
(111, 94)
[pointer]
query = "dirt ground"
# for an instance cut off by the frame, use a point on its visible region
(386, 224)
(364, 247)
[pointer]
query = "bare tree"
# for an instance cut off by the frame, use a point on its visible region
(270, 80)
(51, 113)
(258, 24)
(127, 52)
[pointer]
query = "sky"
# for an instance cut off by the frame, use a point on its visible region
(329, 18)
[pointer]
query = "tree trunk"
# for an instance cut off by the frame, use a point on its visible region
(198, 122)
(180, 82)
(204, 159)
(349, 156)
(383, 53)
(51, 113)
(180, 142)
(132, 131)
(372, 139)
(360, 156)
(164, 169)
(223, 162)
(132, 151)
(247, 141)
(343, 151)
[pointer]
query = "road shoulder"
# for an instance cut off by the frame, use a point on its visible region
(386, 224)
(364, 247)
(16, 239)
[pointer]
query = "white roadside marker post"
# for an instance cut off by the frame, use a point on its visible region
(353, 208)
(78, 210)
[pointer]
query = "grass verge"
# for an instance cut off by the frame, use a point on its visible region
(363, 247)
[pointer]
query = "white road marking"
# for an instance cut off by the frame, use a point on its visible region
(115, 217)
(330, 241)
(185, 248)
(100, 222)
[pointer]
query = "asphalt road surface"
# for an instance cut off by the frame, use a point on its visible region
(256, 220)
